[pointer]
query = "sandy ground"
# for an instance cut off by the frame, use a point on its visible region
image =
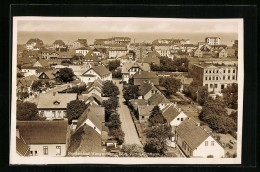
(128, 127)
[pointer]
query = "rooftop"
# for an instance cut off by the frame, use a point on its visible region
(43, 132)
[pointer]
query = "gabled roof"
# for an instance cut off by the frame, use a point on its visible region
(100, 70)
(170, 113)
(145, 75)
(43, 132)
(85, 140)
(59, 42)
(157, 99)
(49, 74)
(145, 110)
(191, 133)
(89, 113)
(27, 81)
(145, 88)
(99, 111)
(21, 147)
(47, 100)
(43, 63)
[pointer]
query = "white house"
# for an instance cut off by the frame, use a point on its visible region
(83, 50)
(54, 105)
(44, 138)
(29, 70)
(129, 69)
(88, 117)
(194, 141)
(96, 72)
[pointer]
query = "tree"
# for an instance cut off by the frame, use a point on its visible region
(118, 134)
(27, 111)
(233, 116)
(156, 117)
(19, 75)
(114, 121)
(113, 65)
(23, 95)
(66, 74)
(110, 89)
(74, 109)
(157, 138)
(130, 92)
(110, 106)
(230, 96)
(133, 150)
(36, 85)
(117, 73)
(212, 107)
(171, 84)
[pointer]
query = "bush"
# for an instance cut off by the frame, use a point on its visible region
(210, 156)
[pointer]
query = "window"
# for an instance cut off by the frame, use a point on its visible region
(206, 85)
(213, 78)
(233, 77)
(213, 71)
(223, 77)
(31, 153)
(212, 143)
(58, 150)
(217, 71)
(216, 78)
(142, 117)
(224, 71)
(209, 71)
(45, 150)
(228, 77)
(209, 78)
(234, 71)
(181, 119)
(206, 78)
(211, 85)
(216, 85)
(53, 114)
(228, 71)
(206, 143)
(35, 153)
(178, 118)
(206, 71)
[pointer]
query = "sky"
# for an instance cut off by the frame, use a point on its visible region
(113, 24)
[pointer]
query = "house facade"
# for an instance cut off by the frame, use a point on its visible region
(54, 105)
(96, 72)
(44, 138)
(212, 40)
(194, 141)
(79, 43)
(117, 50)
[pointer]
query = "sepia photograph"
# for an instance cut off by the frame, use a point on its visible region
(126, 90)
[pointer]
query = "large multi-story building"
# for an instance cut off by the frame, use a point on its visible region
(214, 77)
(117, 50)
(212, 40)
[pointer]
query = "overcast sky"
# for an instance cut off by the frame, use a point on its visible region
(101, 24)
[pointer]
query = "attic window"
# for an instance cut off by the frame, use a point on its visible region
(56, 102)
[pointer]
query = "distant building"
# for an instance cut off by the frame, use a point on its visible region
(44, 138)
(212, 40)
(117, 50)
(34, 44)
(83, 50)
(54, 105)
(146, 90)
(194, 141)
(79, 43)
(214, 77)
(152, 58)
(59, 45)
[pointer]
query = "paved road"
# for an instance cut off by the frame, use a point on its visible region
(128, 127)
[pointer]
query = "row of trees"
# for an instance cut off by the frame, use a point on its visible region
(130, 92)
(74, 109)
(76, 89)
(167, 64)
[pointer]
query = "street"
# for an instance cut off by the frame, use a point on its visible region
(128, 127)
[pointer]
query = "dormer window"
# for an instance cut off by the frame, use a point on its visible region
(56, 102)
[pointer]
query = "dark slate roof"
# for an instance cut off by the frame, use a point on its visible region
(145, 110)
(21, 147)
(191, 133)
(145, 88)
(157, 99)
(89, 113)
(170, 113)
(43, 132)
(85, 140)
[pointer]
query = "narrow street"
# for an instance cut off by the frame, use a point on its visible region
(128, 127)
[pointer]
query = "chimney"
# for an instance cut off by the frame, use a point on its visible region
(17, 132)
